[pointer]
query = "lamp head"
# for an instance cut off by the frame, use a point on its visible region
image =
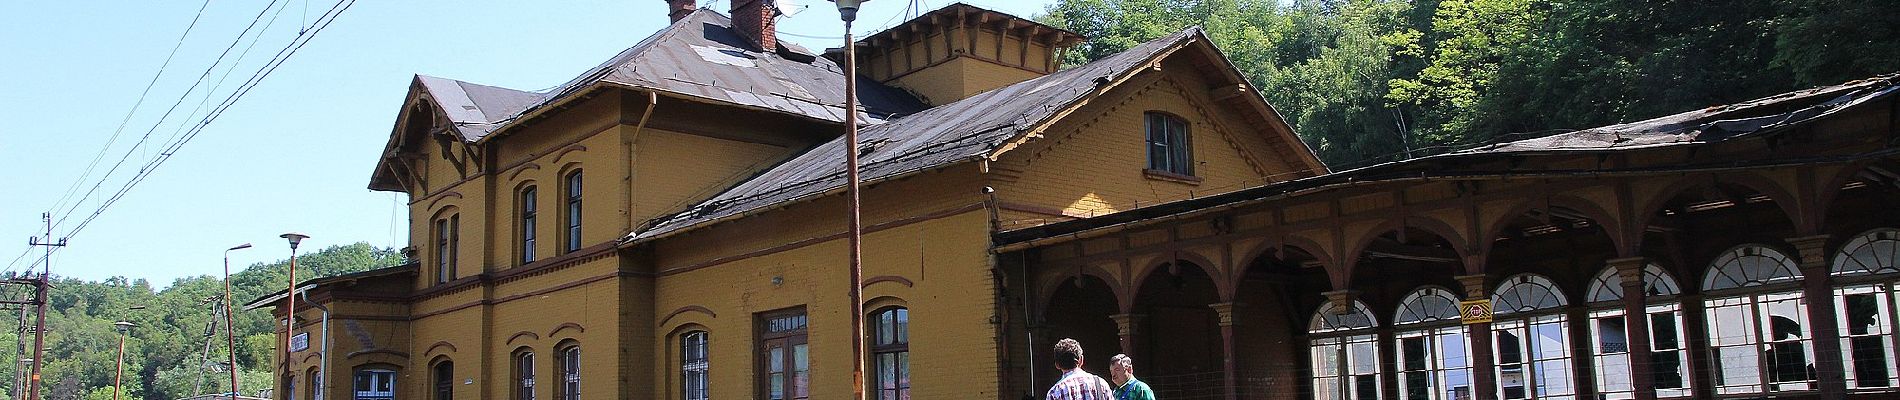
(124, 325)
(295, 238)
(239, 247)
(848, 9)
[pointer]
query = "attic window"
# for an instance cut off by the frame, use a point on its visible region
(1169, 146)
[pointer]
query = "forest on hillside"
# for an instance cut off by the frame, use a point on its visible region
(165, 352)
(1369, 81)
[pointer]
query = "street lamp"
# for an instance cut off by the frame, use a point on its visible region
(290, 295)
(848, 11)
(124, 328)
(230, 334)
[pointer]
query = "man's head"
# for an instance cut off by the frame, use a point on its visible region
(1121, 369)
(1068, 354)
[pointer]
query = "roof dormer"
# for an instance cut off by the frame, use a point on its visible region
(961, 50)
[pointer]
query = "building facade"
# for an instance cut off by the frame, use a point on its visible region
(670, 225)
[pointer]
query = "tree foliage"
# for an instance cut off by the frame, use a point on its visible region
(1365, 81)
(165, 350)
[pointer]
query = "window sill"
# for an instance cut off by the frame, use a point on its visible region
(1170, 176)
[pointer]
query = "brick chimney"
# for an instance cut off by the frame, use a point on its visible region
(755, 19)
(679, 9)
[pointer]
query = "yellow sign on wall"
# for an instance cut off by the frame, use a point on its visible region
(1475, 311)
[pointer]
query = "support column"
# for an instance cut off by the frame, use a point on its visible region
(1583, 377)
(1694, 322)
(1483, 362)
(1127, 326)
(1229, 365)
(1817, 289)
(1636, 322)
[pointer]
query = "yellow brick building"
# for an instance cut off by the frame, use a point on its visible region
(670, 224)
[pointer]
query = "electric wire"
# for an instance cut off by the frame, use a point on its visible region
(123, 122)
(304, 36)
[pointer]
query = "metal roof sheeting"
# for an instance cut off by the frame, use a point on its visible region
(934, 138)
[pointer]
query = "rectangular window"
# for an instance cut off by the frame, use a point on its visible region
(1533, 357)
(693, 366)
(375, 384)
(1760, 343)
(786, 357)
(1866, 335)
(1169, 146)
(1346, 368)
(1434, 364)
(443, 253)
(1612, 358)
(1668, 372)
(573, 212)
(524, 376)
(890, 354)
(528, 208)
(571, 373)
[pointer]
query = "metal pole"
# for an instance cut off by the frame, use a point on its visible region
(39, 300)
(290, 308)
(230, 333)
(857, 222)
(119, 369)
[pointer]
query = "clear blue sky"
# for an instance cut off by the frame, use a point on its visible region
(295, 154)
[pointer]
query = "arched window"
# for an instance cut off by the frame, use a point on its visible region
(1608, 327)
(573, 217)
(375, 384)
(1169, 146)
(529, 205)
(314, 388)
(1533, 339)
(570, 372)
(1867, 269)
(442, 380)
(290, 385)
(1345, 352)
(524, 374)
(890, 353)
(448, 238)
(1434, 355)
(1757, 324)
(693, 366)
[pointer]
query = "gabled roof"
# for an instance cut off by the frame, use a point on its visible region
(973, 128)
(699, 58)
(475, 109)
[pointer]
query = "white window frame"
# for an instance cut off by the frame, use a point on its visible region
(1446, 348)
(1345, 352)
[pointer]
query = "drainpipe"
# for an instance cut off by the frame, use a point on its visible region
(323, 362)
(627, 141)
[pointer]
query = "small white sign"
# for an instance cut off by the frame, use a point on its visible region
(300, 342)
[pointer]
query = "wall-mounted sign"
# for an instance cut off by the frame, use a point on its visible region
(1475, 311)
(300, 342)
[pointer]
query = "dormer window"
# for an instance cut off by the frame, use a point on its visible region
(1169, 147)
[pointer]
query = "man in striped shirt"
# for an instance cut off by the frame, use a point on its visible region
(1076, 384)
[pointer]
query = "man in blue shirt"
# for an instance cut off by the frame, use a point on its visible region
(1122, 370)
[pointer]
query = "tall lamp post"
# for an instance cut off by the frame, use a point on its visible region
(848, 11)
(290, 296)
(119, 370)
(230, 333)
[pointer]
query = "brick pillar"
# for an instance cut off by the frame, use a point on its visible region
(1629, 271)
(1483, 362)
(756, 20)
(1228, 363)
(1583, 377)
(1817, 289)
(1128, 326)
(679, 9)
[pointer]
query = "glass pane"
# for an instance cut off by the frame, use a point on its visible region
(1863, 313)
(1662, 331)
(1739, 365)
(886, 371)
(776, 359)
(1451, 350)
(1668, 370)
(1365, 356)
(903, 325)
(1553, 377)
(1551, 341)
(1509, 348)
(1326, 389)
(886, 327)
(1412, 353)
(1611, 337)
(1367, 387)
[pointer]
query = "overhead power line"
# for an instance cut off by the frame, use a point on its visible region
(304, 36)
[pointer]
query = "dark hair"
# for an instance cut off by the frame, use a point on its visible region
(1068, 353)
